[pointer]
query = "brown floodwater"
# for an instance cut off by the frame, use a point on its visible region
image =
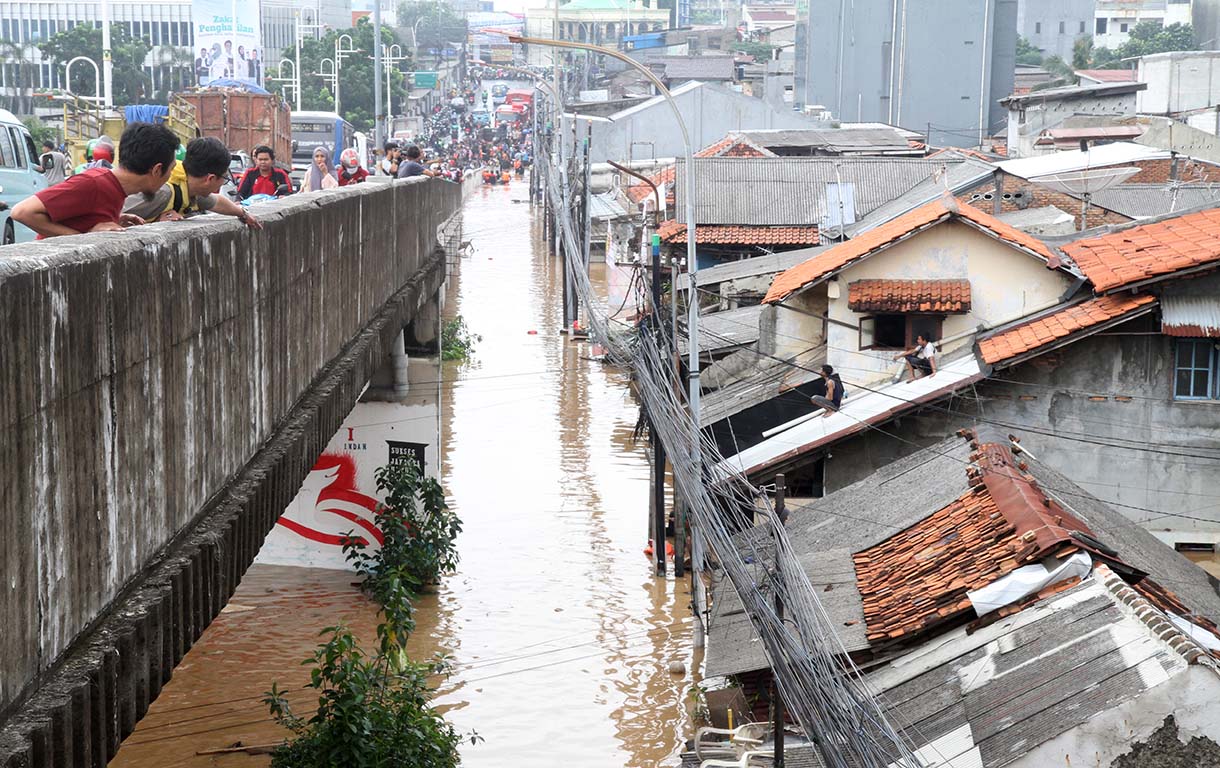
(559, 633)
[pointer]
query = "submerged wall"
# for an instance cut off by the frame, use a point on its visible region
(163, 391)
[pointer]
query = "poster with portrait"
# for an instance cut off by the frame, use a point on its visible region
(224, 51)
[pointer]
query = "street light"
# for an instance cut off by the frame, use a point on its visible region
(332, 75)
(294, 82)
(390, 59)
(692, 265)
(97, 88)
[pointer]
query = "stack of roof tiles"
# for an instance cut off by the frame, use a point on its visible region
(942, 296)
(1149, 251)
(639, 192)
(918, 578)
(1035, 334)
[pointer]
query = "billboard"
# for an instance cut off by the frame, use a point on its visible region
(224, 50)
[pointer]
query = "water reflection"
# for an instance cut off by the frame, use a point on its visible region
(560, 635)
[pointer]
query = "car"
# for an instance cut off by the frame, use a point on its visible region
(499, 92)
(481, 117)
(20, 175)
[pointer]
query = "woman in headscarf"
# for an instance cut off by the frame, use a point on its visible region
(320, 175)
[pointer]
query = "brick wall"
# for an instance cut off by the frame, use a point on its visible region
(1021, 195)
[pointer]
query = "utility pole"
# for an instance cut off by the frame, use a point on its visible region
(378, 111)
(587, 207)
(777, 701)
(658, 450)
(107, 62)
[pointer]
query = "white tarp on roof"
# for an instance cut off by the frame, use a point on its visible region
(1117, 153)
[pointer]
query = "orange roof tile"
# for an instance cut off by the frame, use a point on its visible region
(820, 266)
(919, 577)
(734, 146)
(1149, 251)
(673, 231)
(950, 296)
(1057, 325)
(638, 192)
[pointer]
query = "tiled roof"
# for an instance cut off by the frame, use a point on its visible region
(891, 232)
(638, 192)
(918, 578)
(1057, 325)
(1149, 251)
(949, 296)
(731, 234)
(1108, 75)
(734, 146)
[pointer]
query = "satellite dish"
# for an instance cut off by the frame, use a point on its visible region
(1085, 183)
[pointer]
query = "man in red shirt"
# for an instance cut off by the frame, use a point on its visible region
(264, 178)
(93, 201)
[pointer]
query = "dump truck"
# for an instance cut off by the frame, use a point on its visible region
(244, 120)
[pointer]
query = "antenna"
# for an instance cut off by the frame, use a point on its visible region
(1084, 183)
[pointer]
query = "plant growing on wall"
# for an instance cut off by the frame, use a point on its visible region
(457, 342)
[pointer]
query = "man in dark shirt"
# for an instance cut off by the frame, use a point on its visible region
(264, 178)
(411, 166)
(93, 201)
(833, 398)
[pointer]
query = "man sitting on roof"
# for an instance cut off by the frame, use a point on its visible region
(921, 359)
(832, 397)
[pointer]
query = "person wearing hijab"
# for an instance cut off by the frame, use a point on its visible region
(320, 175)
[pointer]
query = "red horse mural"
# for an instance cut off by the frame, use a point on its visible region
(340, 509)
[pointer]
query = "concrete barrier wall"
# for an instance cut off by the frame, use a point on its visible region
(174, 381)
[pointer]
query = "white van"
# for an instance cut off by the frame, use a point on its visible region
(20, 175)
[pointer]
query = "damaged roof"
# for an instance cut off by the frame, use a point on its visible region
(1062, 324)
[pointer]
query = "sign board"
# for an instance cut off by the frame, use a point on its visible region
(600, 94)
(424, 79)
(402, 454)
(225, 48)
(501, 54)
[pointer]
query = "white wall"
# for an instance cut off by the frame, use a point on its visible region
(1005, 284)
(1179, 81)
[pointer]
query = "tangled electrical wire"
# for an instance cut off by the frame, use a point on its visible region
(820, 686)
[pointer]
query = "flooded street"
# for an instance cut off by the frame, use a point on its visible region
(558, 631)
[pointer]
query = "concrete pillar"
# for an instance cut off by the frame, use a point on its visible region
(399, 361)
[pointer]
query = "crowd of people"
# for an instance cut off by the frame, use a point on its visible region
(156, 178)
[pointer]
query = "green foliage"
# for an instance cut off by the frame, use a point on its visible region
(40, 132)
(130, 84)
(457, 342)
(371, 711)
(1027, 53)
(438, 23)
(356, 98)
(1082, 53)
(760, 51)
(1146, 38)
(705, 17)
(374, 709)
(20, 75)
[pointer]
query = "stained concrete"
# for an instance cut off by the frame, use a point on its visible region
(163, 392)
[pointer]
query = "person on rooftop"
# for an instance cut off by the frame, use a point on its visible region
(832, 398)
(920, 359)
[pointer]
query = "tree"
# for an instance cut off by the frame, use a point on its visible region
(438, 24)
(355, 74)
(40, 132)
(21, 54)
(130, 84)
(1149, 37)
(1027, 53)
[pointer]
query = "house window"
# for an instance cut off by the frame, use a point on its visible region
(898, 331)
(1061, 27)
(1101, 26)
(1122, 27)
(1082, 27)
(1195, 370)
(1037, 27)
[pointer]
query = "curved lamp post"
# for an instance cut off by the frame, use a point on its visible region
(692, 266)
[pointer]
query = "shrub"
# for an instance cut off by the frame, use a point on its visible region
(457, 342)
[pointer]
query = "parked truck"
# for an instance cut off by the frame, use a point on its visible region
(244, 120)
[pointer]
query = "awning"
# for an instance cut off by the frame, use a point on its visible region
(1190, 316)
(938, 296)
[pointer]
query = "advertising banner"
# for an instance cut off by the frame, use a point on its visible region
(224, 51)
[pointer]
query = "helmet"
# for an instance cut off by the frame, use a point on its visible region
(349, 159)
(103, 152)
(89, 149)
(180, 153)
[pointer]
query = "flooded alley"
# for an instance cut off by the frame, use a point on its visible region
(559, 633)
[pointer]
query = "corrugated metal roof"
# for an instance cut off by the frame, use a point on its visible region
(792, 190)
(883, 139)
(695, 67)
(1118, 153)
(1140, 201)
(759, 265)
(961, 173)
(605, 206)
(719, 331)
(1190, 316)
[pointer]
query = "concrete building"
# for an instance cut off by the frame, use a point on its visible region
(1032, 113)
(1179, 82)
(647, 130)
(1054, 26)
(939, 66)
(165, 24)
(1113, 20)
(603, 22)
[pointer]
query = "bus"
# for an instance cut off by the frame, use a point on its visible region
(519, 96)
(311, 130)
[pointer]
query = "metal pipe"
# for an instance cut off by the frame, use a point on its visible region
(378, 107)
(107, 62)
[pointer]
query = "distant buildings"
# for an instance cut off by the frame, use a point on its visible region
(1054, 26)
(1114, 19)
(603, 22)
(938, 67)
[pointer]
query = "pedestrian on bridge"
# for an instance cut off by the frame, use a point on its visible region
(205, 168)
(320, 175)
(92, 201)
